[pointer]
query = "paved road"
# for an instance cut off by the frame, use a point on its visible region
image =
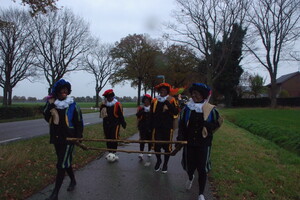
(128, 179)
(13, 131)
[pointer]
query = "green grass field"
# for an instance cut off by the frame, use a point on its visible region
(281, 126)
(246, 166)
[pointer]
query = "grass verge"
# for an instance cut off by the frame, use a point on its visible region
(28, 166)
(246, 166)
(281, 126)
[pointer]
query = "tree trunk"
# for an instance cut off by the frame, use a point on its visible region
(273, 92)
(4, 103)
(97, 98)
(139, 91)
(9, 96)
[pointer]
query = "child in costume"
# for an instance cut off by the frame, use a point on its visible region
(65, 120)
(163, 109)
(144, 123)
(198, 121)
(112, 113)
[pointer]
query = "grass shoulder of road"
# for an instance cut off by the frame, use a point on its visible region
(28, 166)
(246, 166)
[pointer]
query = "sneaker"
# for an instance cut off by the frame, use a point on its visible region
(164, 169)
(201, 197)
(189, 183)
(141, 156)
(147, 164)
(71, 186)
(157, 166)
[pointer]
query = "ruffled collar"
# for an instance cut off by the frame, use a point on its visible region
(64, 103)
(195, 106)
(146, 108)
(161, 99)
(113, 102)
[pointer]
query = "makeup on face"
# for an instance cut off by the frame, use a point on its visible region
(163, 92)
(63, 93)
(197, 96)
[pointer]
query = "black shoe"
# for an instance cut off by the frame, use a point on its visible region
(53, 196)
(157, 166)
(71, 186)
(164, 170)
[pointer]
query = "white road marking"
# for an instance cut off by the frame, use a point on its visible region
(10, 140)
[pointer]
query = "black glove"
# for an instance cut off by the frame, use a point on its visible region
(124, 125)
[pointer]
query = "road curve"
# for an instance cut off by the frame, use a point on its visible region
(13, 131)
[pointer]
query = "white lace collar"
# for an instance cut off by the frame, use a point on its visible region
(64, 103)
(161, 99)
(146, 108)
(195, 106)
(113, 102)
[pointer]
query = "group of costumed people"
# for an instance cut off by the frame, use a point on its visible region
(197, 121)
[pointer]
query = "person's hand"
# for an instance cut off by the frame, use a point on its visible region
(51, 100)
(124, 125)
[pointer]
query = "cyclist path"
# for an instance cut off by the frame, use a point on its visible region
(128, 179)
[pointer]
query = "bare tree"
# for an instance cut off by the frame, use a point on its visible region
(61, 39)
(40, 6)
(276, 24)
(295, 56)
(100, 63)
(200, 24)
(16, 51)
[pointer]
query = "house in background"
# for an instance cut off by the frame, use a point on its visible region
(288, 84)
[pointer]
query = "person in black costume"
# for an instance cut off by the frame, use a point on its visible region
(144, 123)
(112, 113)
(163, 109)
(198, 121)
(65, 120)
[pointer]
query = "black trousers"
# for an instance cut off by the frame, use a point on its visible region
(198, 158)
(111, 132)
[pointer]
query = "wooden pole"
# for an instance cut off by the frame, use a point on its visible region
(172, 153)
(127, 141)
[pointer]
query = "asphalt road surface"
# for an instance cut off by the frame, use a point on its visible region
(128, 179)
(13, 131)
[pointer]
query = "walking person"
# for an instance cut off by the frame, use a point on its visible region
(65, 120)
(112, 113)
(144, 123)
(198, 121)
(163, 109)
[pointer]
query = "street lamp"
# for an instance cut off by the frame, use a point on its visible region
(161, 76)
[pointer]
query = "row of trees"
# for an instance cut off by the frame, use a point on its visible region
(207, 25)
(209, 37)
(77, 99)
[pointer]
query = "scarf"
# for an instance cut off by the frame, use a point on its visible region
(62, 104)
(113, 102)
(162, 99)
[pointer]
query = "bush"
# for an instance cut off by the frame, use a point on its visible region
(20, 112)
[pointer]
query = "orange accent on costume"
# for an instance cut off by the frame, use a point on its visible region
(116, 106)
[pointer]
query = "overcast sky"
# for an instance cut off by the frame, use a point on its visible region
(110, 20)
